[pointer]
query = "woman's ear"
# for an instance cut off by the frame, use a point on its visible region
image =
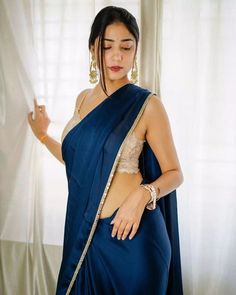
(92, 50)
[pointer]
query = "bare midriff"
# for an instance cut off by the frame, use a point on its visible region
(122, 183)
(121, 186)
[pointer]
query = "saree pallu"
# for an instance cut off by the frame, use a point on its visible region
(93, 262)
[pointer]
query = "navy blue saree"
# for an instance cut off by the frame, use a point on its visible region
(93, 262)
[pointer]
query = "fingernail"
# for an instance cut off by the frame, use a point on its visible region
(112, 236)
(118, 238)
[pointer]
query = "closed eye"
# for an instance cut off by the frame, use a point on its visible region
(125, 48)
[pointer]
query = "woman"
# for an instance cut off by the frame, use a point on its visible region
(120, 160)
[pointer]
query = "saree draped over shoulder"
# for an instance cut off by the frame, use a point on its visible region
(94, 263)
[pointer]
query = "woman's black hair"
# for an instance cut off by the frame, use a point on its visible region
(107, 16)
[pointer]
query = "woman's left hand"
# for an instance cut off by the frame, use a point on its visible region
(129, 214)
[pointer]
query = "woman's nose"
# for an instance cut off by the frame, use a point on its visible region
(117, 56)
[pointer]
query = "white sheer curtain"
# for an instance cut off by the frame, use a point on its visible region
(198, 79)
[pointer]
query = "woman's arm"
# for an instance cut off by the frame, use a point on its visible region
(54, 147)
(160, 139)
(39, 126)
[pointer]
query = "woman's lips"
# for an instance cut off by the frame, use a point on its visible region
(116, 69)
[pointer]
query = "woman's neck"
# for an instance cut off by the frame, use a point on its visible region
(111, 86)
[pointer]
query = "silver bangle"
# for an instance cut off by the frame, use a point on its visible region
(151, 205)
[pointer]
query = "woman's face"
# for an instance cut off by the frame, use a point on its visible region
(119, 51)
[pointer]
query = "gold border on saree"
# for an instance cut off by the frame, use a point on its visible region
(104, 197)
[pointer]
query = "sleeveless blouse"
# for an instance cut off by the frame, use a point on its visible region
(129, 157)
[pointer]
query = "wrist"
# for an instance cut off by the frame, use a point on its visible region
(146, 196)
(151, 205)
(42, 138)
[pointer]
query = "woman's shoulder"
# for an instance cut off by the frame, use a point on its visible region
(154, 100)
(81, 95)
(155, 110)
(154, 105)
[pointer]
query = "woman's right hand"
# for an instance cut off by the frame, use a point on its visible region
(40, 123)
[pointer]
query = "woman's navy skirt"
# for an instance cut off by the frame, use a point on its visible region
(127, 267)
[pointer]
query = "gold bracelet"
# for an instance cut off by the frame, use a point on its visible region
(42, 138)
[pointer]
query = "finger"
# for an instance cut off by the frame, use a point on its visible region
(134, 230)
(30, 119)
(115, 227)
(35, 102)
(36, 108)
(126, 230)
(121, 229)
(42, 107)
(39, 109)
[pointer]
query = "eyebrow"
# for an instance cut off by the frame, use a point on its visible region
(123, 40)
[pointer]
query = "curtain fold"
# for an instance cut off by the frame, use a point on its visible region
(20, 171)
(17, 90)
(151, 29)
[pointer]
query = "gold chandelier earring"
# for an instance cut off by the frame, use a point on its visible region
(93, 74)
(134, 73)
